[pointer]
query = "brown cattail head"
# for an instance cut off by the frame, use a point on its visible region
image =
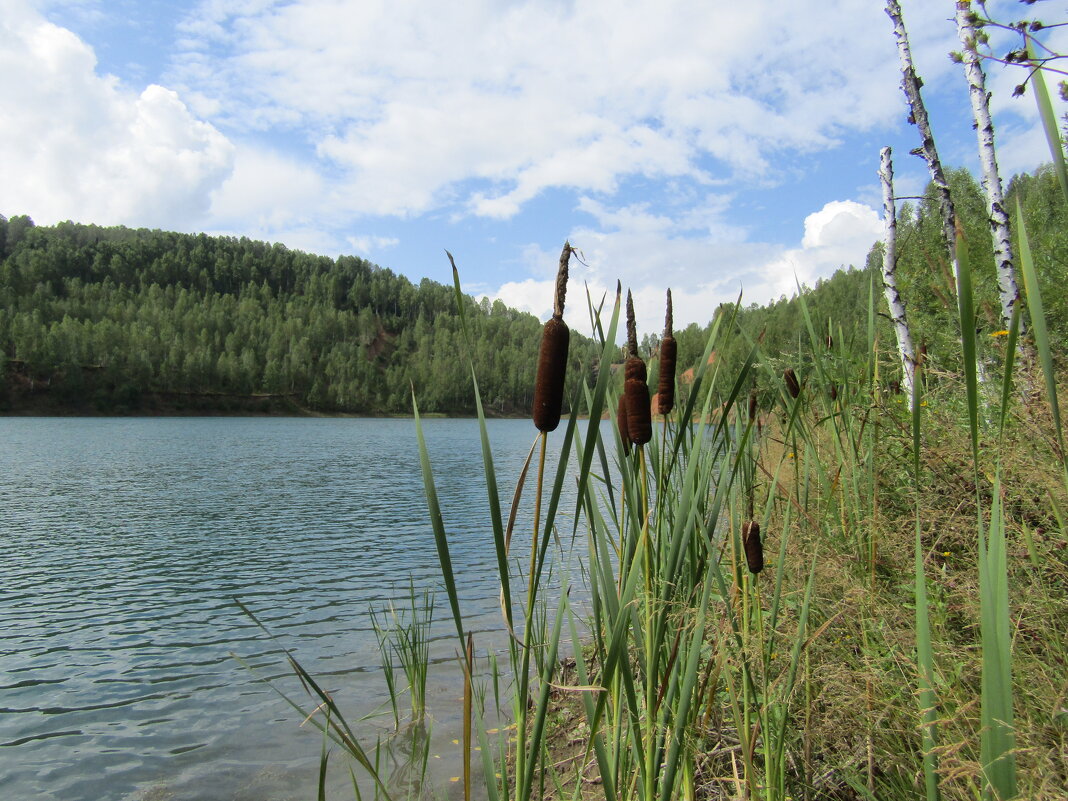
(829, 341)
(634, 368)
(635, 390)
(752, 405)
(552, 366)
(665, 389)
(792, 384)
(754, 548)
(639, 414)
(834, 392)
(621, 422)
(552, 356)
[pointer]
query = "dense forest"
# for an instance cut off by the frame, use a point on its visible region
(116, 320)
(121, 320)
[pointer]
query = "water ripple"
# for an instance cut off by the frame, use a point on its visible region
(126, 542)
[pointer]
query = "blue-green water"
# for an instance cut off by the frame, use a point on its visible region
(124, 542)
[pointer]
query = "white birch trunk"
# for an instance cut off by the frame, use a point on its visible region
(1008, 289)
(893, 297)
(911, 84)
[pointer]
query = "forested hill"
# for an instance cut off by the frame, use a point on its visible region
(116, 320)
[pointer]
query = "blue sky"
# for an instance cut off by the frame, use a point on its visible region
(712, 147)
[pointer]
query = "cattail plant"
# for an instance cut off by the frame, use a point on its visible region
(635, 389)
(669, 348)
(793, 386)
(752, 406)
(552, 356)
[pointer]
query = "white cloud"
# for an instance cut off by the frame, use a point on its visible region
(650, 253)
(838, 235)
(367, 244)
(80, 145)
(268, 191)
(484, 106)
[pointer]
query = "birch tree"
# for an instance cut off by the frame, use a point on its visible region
(893, 297)
(910, 85)
(1008, 290)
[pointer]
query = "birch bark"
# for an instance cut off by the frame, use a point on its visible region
(893, 297)
(1008, 289)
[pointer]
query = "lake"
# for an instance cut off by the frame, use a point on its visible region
(125, 542)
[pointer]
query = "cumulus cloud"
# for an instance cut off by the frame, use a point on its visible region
(704, 265)
(79, 145)
(484, 106)
(268, 191)
(367, 244)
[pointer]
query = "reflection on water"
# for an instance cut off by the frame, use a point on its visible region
(124, 544)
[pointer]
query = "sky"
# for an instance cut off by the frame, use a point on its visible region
(712, 147)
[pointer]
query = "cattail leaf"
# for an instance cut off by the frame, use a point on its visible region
(621, 423)
(968, 344)
(1037, 313)
(493, 496)
(441, 540)
(997, 738)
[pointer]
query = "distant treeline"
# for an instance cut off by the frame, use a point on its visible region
(122, 320)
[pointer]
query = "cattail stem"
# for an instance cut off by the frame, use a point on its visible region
(644, 488)
(469, 667)
(524, 675)
(537, 518)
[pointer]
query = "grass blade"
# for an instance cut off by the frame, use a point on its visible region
(1039, 331)
(441, 541)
